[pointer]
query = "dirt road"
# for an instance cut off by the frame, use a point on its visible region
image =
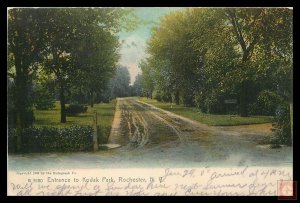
(153, 137)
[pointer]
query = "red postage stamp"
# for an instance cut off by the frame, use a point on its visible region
(287, 190)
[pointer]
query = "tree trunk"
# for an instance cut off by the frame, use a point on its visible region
(20, 96)
(63, 118)
(243, 100)
(177, 97)
(92, 99)
(247, 48)
(82, 96)
(244, 88)
(20, 123)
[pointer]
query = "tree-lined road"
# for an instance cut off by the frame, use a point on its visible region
(150, 136)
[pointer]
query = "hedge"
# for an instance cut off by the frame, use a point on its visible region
(50, 139)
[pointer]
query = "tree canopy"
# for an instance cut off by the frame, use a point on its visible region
(203, 56)
(77, 48)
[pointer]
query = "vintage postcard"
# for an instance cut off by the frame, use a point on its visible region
(151, 101)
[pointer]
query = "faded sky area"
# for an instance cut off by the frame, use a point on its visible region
(134, 43)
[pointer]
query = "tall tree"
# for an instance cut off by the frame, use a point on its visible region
(172, 45)
(210, 54)
(81, 43)
(24, 49)
(257, 30)
(98, 61)
(147, 78)
(120, 83)
(53, 37)
(137, 86)
(62, 29)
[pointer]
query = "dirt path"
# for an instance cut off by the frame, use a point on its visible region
(152, 137)
(136, 116)
(152, 131)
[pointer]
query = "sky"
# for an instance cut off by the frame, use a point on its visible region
(133, 48)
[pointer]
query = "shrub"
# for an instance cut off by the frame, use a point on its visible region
(213, 103)
(50, 139)
(266, 103)
(187, 99)
(158, 97)
(162, 96)
(74, 109)
(282, 127)
(43, 98)
(105, 100)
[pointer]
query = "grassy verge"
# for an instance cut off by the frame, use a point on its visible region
(105, 111)
(209, 119)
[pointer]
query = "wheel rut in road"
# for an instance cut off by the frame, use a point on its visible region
(144, 125)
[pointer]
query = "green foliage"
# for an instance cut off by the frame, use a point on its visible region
(82, 49)
(26, 115)
(78, 47)
(51, 117)
(119, 85)
(46, 119)
(103, 134)
(148, 78)
(157, 95)
(161, 96)
(282, 127)
(44, 99)
(203, 56)
(24, 51)
(266, 104)
(211, 103)
(137, 86)
(50, 139)
(173, 65)
(74, 109)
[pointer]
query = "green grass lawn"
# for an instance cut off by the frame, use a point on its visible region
(209, 119)
(51, 117)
